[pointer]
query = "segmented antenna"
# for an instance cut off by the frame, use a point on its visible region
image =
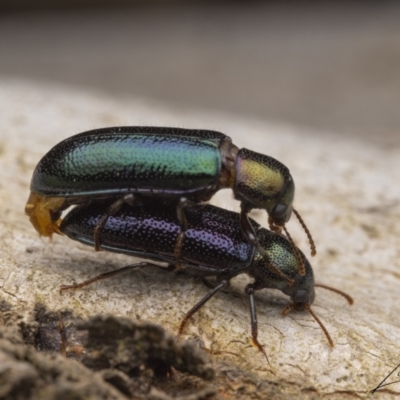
(290, 307)
(310, 239)
(308, 308)
(300, 263)
(345, 295)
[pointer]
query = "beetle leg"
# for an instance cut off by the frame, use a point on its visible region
(110, 274)
(250, 289)
(114, 208)
(250, 235)
(180, 212)
(224, 283)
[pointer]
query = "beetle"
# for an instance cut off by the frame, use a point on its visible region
(186, 166)
(213, 246)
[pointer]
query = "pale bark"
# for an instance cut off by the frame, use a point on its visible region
(346, 191)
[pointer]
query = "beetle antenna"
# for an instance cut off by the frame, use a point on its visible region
(345, 295)
(300, 262)
(291, 306)
(310, 239)
(308, 308)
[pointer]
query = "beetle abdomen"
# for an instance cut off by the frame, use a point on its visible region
(213, 240)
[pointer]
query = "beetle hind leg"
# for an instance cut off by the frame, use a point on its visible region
(224, 283)
(110, 274)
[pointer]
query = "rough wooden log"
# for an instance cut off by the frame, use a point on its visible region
(347, 192)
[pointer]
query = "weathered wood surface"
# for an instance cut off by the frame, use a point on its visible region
(347, 192)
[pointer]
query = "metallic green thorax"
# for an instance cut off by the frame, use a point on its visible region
(281, 253)
(120, 163)
(262, 182)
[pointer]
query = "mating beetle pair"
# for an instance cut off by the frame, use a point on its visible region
(185, 166)
(136, 190)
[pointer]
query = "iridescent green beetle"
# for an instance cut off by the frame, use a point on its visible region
(171, 164)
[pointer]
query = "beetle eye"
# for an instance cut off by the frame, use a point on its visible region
(301, 296)
(280, 212)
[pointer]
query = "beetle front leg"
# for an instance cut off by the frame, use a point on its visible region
(114, 208)
(250, 289)
(250, 235)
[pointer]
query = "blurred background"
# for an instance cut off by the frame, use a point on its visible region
(322, 65)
